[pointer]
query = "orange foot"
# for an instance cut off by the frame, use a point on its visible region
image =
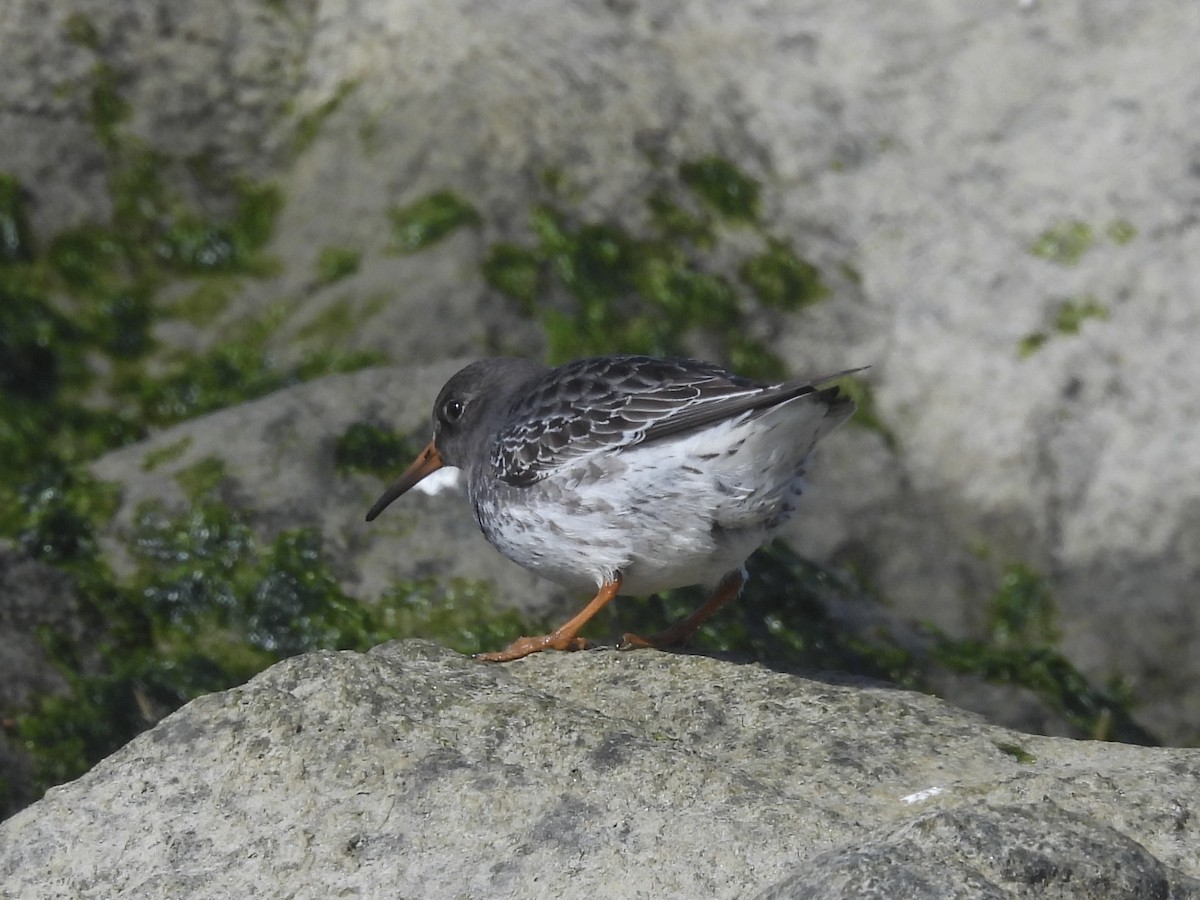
(671, 637)
(731, 585)
(562, 639)
(524, 646)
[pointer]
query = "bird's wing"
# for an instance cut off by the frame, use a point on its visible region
(611, 403)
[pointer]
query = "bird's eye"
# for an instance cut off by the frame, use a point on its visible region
(452, 411)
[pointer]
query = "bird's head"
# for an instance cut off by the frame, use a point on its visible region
(469, 410)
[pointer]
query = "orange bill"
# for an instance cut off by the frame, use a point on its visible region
(427, 462)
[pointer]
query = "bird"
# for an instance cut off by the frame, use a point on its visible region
(626, 474)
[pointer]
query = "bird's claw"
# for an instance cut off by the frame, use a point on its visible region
(526, 646)
(670, 638)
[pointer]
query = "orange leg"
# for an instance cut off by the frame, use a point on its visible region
(564, 638)
(729, 588)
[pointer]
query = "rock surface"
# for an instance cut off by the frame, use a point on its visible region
(411, 771)
(35, 599)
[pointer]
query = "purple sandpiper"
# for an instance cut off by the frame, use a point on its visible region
(626, 474)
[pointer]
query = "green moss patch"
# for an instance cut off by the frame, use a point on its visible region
(15, 244)
(729, 192)
(309, 125)
(780, 279)
(205, 302)
(459, 613)
(596, 287)
(429, 220)
(202, 478)
(81, 31)
(1031, 344)
(1073, 313)
(240, 368)
(1120, 231)
(1064, 243)
(211, 605)
(514, 271)
(1017, 752)
(333, 325)
(367, 447)
(1022, 650)
(1069, 317)
(165, 454)
(336, 263)
(53, 512)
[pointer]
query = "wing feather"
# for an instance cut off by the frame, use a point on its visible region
(628, 400)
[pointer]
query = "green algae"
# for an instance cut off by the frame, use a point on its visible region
(1064, 243)
(78, 29)
(672, 216)
(1017, 752)
(1021, 649)
(15, 243)
(1069, 316)
(1031, 344)
(77, 311)
(459, 613)
(781, 279)
(367, 447)
(202, 478)
(309, 125)
(780, 619)
(1073, 313)
(729, 192)
(336, 263)
(333, 325)
(205, 303)
(165, 454)
(429, 220)
(1120, 231)
(210, 606)
(1022, 611)
(597, 287)
(107, 108)
(514, 271)
(240, 368)
(53, 513)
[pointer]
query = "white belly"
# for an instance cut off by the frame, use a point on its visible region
(662, 515)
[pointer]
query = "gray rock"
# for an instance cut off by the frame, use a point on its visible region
(207, 82)
(35, 599)
(413, 772)
(1030, 850)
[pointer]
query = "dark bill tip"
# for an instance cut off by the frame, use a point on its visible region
(427, 462)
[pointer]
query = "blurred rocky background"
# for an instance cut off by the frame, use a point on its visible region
(243, 244)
